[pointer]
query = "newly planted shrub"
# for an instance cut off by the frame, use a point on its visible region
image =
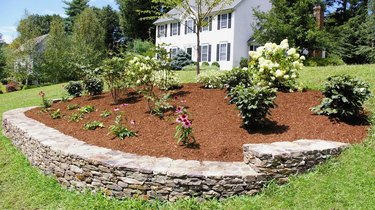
(184, 131)
(215, 64)
(94, 86)
(72, 106)
(92, 125)
(75, 117)
(343, 97)
(86, 109)
(105, 114)
(181, 60)
(74, 88)
(56, 114)
(166, 80)
(254, 102)
(236, 77)
(120, 130)
(244, 63)
(276, 65)
(211, 79)
(205, 63)
(46, 103)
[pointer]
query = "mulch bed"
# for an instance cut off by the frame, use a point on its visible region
(216, 124)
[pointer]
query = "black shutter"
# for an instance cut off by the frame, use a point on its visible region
(185, 27)
(218, 22)
(170, 53)
(170, 31)
(200, 53)
(166, 30)
(179, 27)
(158, 31)
(229, 20)
(210, 23)
(228, 52)
(194, 28)
(217, 52)
(209, 53)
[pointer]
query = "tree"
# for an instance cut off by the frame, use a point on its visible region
(199, 11)
(293, 20)
(73, 9)
(88, 39)
(2, 57)
(134, 23)
(56, 56)
(109, 19)
(34, 25)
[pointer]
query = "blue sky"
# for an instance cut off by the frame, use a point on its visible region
(12, 11)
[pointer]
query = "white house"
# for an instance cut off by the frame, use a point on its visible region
(224, 39)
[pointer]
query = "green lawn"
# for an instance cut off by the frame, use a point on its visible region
(347, 182)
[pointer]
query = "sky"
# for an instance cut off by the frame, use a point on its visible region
(12, 11)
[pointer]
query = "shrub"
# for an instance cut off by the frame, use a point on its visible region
(72, 106)
(166, 80)
(215, 64)
(120, 130)
(331, 60)
(211, 79)
(46, 103)
(74, 88)
(236, 77)
(244, 63)
(276, 65)
(92, 125)
(75, 117)
(254, 102)
(181, 60)
(86, 109)
(105, 114)
(205, 63)
(343, 97)
(94, 86)
(56, 114)
(12, 86)
(1, 92)
(203, 68)
(4, 81)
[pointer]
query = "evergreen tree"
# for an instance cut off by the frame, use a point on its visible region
(109, 19)
(73, 9)
(88, 39)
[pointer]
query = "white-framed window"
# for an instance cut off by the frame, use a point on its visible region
(253, 47)
(189, 27)
(173, 51)
(189, 50)
(204, 53)
(223, 52)
(208, 23)
(162, 31)
(224, 21)
(174, 29)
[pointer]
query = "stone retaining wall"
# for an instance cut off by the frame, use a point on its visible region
(78, 165)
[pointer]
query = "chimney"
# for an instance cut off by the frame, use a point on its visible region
(318, 13)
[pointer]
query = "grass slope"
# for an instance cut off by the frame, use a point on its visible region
(347, 182)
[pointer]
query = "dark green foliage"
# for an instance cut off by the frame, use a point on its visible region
(244, 62)
(205, 63)
(2, 58)
(182, 59)
(73, 9)
(343, 97)
(110, 21)
(333, 60)
(215, 64)
(236, 77)
(254, 103)
(94, 86)
(74, 88)
(92, 125)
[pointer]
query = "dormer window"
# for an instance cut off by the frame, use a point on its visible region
(224, 21)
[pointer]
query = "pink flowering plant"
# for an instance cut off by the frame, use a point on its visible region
(46, 103)
(118, 129)
(184, 131)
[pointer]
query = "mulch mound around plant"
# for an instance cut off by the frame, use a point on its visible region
(216, 124)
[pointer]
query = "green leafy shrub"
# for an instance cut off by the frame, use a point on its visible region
(205, 63)
(92, 125)
(181, 60)
(94, 86)
(211, 79)
(244, 63)
(331, 60)
(72, 106)
(236, 77)
(254, 102)
(276, 65)
(216, 64)
(74, 88)
(343, 97)
(87, 109)
(120, 130)
(105, 114)
(75, 117)
(166, 80)
(203, 68)
(56, 114)
(46, 103)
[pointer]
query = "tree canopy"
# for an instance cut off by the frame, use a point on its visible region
(73, 9)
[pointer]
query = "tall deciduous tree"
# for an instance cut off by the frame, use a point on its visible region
(33, 26)
(2, 57)
(56, 57)
(292, 19)
(73, 9)
(88, 39)
(132, 20)
(199, 11)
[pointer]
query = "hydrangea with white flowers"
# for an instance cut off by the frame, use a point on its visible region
(276, 65)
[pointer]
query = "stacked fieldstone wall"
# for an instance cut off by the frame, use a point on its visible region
(78, 165)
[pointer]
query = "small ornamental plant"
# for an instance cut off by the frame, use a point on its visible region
(87, 109)
(72, 106)
(92, 125)
(184, 131)
(74, 88)
(105, 114)
(75, 117)
(276, 65)
(119, 130)
(56, 114)
(46, 103)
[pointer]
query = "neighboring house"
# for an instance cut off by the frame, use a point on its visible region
(224, 40)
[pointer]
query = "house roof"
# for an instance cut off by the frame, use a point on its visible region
(38, 43)
(176, 12)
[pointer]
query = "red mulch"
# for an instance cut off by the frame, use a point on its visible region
(216, 124)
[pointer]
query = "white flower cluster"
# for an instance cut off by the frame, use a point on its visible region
(141, 68)
(276, 64)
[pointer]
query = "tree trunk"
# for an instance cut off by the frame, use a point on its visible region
(198, 51)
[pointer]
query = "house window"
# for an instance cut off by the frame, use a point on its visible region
(223, 52)
(174, 29)
(208, 24)
(173, 52)
(162, 31)
(253, 47)
(189, 51)
(204, 53)
(189, 26)
(224, 21)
